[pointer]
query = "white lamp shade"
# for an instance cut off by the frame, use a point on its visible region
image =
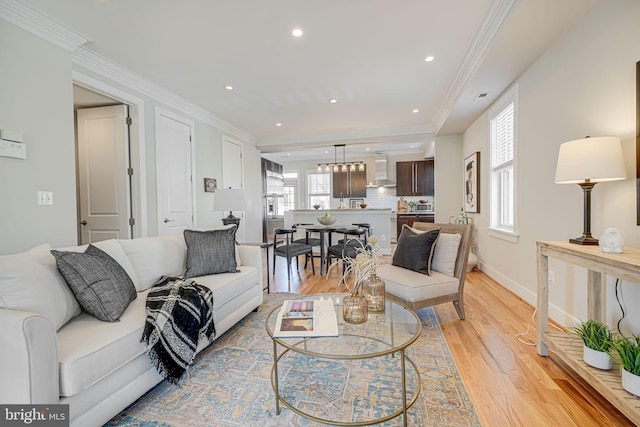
(595, 159)
(229, 199)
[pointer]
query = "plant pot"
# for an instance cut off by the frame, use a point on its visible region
(631, 382)
(354, 308)
(595, 358)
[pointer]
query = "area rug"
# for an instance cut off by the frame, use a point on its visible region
(229, 384)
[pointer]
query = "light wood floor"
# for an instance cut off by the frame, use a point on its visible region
(509, 384)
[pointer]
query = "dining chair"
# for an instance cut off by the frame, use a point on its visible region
(347, 246)
(287, 248)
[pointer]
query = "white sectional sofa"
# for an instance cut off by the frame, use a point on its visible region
(51, 352)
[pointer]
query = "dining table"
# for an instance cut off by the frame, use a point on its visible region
(325, 233)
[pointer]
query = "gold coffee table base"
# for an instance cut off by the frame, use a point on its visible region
(402, 411)
(387, 333)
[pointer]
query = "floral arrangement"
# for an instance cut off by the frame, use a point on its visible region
(363, 265)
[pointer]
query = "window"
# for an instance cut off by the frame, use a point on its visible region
(290, 190)
(503, 144)
(319, 189)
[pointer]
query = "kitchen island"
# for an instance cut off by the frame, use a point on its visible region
(379, 219)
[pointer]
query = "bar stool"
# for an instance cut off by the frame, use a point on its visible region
(288, 249)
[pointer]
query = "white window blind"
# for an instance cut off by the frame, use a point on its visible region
(503, 124)
(503, 189)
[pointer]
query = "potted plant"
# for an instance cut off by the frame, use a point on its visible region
(627, 354)
(597, 339)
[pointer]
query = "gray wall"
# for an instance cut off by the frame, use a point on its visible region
(583, 85)
(37, 100)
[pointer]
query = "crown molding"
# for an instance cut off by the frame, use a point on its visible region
(475, 54)
(354, 136)
(95, 63)
(36, 23)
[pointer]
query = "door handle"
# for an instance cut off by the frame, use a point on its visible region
(166, 220)
(83, 222)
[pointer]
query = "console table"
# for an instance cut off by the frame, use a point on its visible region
(599, 265)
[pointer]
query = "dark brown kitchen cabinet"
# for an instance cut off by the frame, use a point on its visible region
(415, 178)
(410, 218)
(350, 183)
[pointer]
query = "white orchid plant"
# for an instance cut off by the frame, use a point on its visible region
(363, 265)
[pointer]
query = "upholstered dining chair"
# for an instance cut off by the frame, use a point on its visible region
(288, 249)
(347, 246)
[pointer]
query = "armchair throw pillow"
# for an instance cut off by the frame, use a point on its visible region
(415, 250)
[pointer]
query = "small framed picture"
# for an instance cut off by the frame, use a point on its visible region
(210, 185)
(355, 203)
(472, 183)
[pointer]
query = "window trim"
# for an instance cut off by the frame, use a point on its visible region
(308, 194)
(512, 234)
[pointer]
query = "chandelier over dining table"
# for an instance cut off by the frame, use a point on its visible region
(343, 166)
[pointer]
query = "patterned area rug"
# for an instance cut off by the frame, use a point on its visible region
(229, 384)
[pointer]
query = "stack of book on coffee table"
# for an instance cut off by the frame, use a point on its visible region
(306, 318)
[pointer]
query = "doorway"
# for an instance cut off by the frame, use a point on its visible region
(90, 93)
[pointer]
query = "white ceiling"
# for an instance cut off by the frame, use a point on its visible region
(366, 54)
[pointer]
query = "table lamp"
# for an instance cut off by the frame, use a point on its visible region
(586, 162)
(230, 199)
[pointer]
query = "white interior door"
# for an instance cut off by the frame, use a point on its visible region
(103, 160)
(231, 164)
(174, 171)
(232, 176)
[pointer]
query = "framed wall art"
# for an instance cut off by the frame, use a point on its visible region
(472, 183)
(210, 185)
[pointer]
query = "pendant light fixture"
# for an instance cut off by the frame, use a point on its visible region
(341, 166)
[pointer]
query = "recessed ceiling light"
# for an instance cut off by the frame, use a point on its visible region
(278, 124)
(297, 32)
(429, 58)
(415, 110)
(228, 87)
(326, 151)
(411, 146)
(333, 101)
(368, 149)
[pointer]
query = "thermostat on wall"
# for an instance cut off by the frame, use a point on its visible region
(15, 150)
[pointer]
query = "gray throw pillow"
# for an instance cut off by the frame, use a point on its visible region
(102, 287)
(414, 251)
(210, 252)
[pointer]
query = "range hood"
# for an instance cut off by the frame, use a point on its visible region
(382, 178)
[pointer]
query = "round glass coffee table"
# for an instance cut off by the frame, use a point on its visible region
(384, 335)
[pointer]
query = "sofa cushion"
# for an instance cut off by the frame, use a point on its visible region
(414, 251)
(114, 250)
(42, 255)
(412, 286)
(89, 349)
(154, 257)
(210, 252)
(100, 284)
(28, 285)
(225, 287)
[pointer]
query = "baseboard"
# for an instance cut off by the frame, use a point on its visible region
(555, 313)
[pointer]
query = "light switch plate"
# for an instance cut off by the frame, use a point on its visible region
(45, 197)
